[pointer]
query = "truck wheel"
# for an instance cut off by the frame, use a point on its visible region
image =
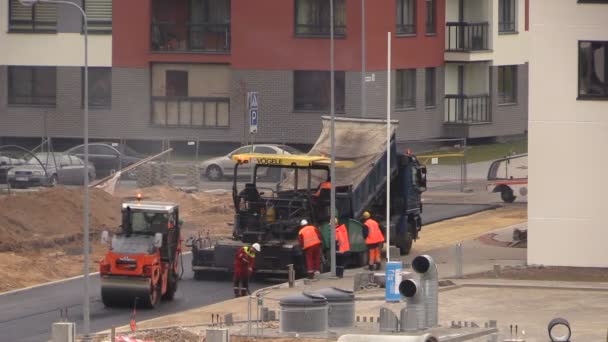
(406, 239)
(507, 195)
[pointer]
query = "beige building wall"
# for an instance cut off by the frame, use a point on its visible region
(56, 49)
(568, 139)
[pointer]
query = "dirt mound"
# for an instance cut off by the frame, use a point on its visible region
(50, 216)
(201, 211)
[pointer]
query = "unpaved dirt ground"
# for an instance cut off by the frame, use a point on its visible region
(582, 274)
(41, 232)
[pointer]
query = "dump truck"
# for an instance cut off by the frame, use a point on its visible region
(141, 265)
(509, 176)
(271, 215)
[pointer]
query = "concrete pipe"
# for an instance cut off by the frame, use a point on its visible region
(387, 338)
(426, 267)
(413, 317)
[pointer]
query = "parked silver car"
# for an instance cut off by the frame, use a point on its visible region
(49, 169)
(216, 169)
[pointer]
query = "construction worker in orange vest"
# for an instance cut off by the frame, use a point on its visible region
(373, 239)
(324, 185)
(342, 247)
(310, 240)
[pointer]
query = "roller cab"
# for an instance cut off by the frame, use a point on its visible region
(141, 265)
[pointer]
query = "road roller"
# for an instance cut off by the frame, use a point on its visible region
(141, 265)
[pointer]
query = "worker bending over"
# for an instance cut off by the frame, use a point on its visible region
(373, 239)
(310, 240)
(244, 262)
(342, 247)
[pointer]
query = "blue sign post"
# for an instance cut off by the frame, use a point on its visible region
(393, 279)
(253, 112)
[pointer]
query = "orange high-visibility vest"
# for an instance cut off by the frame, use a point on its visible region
(324, 185)
(374, 234)
(309, 237)
(342, 238)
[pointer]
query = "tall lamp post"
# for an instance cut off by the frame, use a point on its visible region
(86, 302)
(332, 216)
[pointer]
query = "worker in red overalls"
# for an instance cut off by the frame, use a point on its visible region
(310, 240)
(244, 262)
(373, 239)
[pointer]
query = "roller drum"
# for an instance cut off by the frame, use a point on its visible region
(122, 291)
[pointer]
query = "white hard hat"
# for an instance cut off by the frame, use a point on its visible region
(257, 247)
(303, 223)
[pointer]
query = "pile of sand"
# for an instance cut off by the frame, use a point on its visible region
(201, 211)
(53, 217)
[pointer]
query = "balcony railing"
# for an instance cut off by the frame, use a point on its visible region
(466, 36)
(467, 109)
(187, 111)
(174, 37)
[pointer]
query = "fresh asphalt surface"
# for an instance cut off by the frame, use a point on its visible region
(28, 315)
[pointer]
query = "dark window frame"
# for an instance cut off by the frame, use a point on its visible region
(403, 26)
(507, 16)
(504, 95)
(592, 1)
(430, 17)
(339, 95)
(590, 73)
(97, 102)
(430, 91)
(405, 98)
(32, 103)
(32, 22)
(339, 30)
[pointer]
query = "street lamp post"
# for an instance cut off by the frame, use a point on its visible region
(332, 172)
(86, 302)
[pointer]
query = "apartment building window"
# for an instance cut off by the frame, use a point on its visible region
(506, 15)
(406, 17)
(312, 18)
(100, 87)
(41, 17)
(29, 85)
(191, 95)
(431, 22)
(312, 90)
(406, 89)
(430, 84)
(176, 83)
(593, 69)
(99, 13)
(507, 84)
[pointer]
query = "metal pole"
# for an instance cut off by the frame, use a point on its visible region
(87, 313)
(332, 217)
(388, 152)
(86, 303)
(363, 85)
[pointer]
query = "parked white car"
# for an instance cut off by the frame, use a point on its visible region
(216, 169)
